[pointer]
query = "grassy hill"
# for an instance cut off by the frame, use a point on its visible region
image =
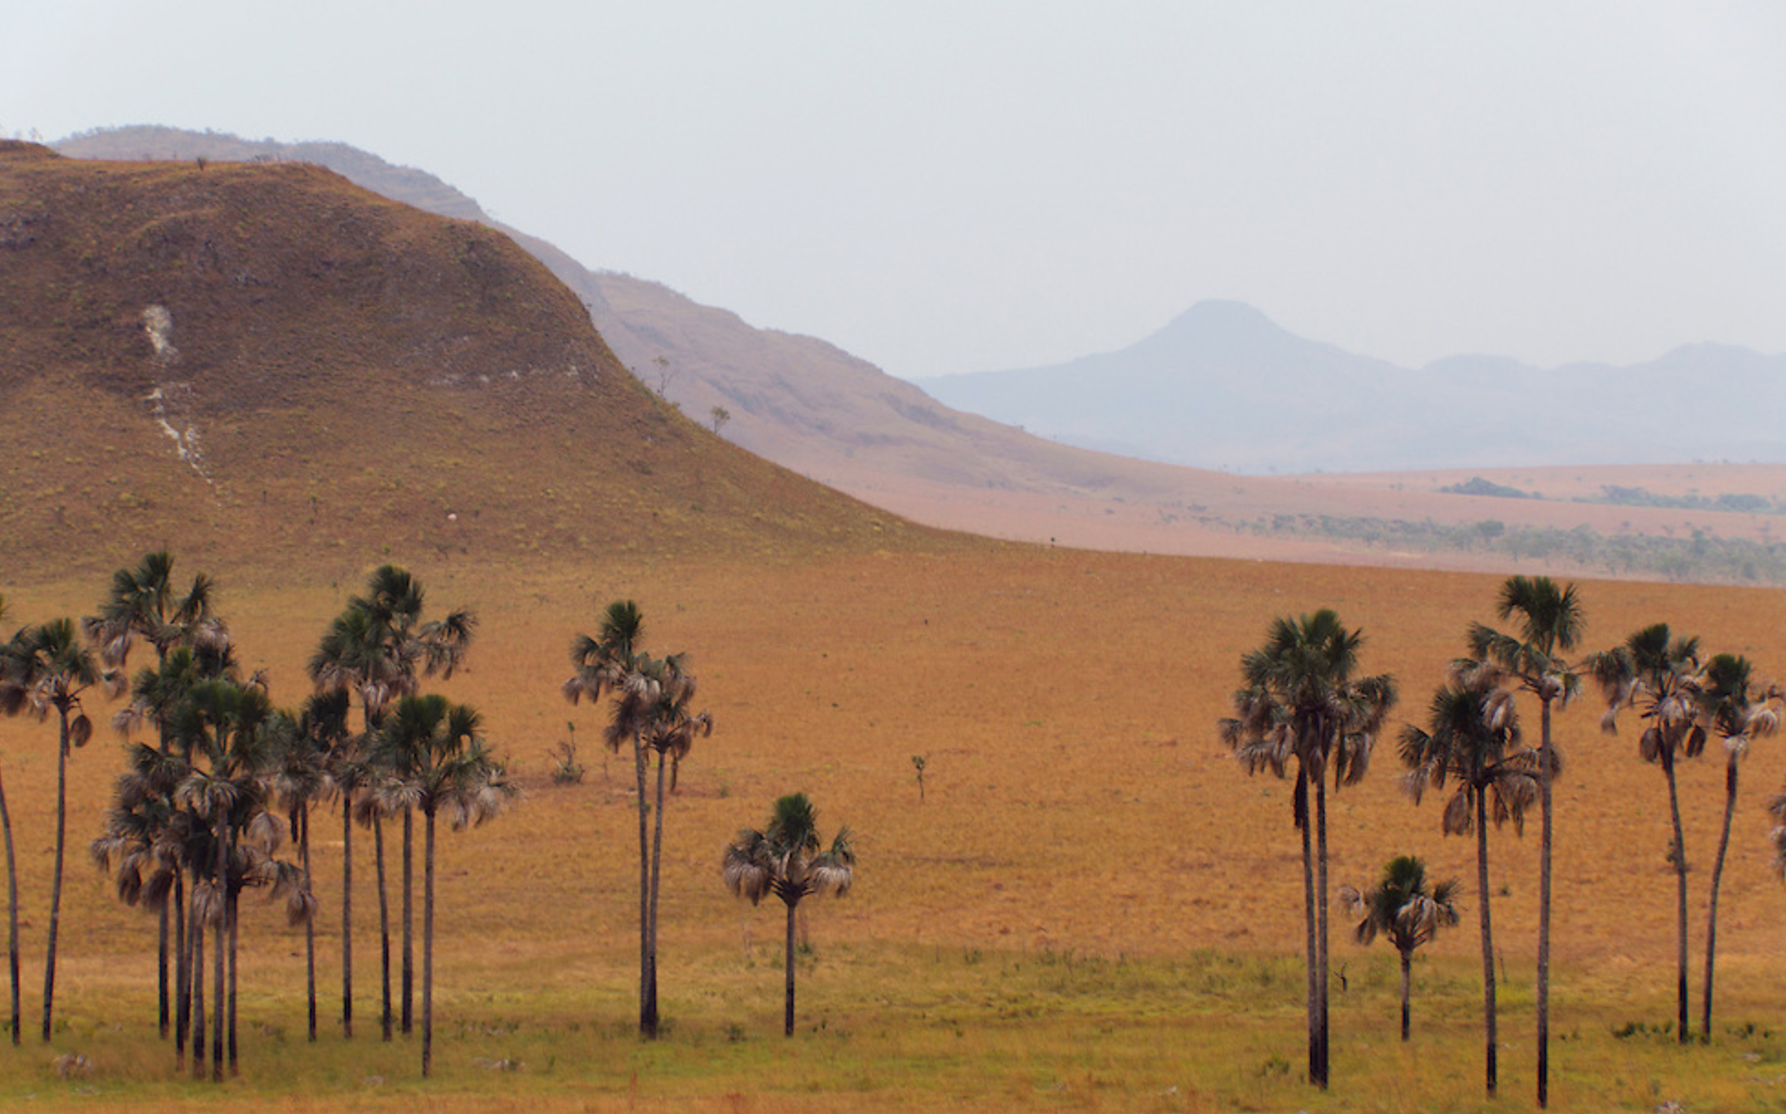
(248, 359)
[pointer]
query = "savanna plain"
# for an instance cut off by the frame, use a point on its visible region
(1089, 906)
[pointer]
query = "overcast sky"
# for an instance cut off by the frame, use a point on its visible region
(965, 186)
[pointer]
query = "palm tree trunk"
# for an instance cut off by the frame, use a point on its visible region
(182, 969)
(231, 911)
(347, 913)
(408, 995)
(647, 1019)
(1321, 917)
(219, 946)
(787, 1023)
(12, 914)
(657, 856)
(49, 963)
(161, 972)
(309, 922)
(1308, 909)
(1407, 963)
(427, 943)
(196, 934)
(384, 920)
(1488, 939)
(1711, 927)
(1678, 854)
(1544, 844)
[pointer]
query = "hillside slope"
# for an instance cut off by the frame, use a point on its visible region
(264, 360)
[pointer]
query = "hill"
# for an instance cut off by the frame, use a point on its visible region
(837, 419)
(1219, 386)
(247, 359)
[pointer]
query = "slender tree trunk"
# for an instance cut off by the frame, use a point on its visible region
(1678, 854)
(408, 995)
(657, 857)
(1488, 940)
(1545, 839)
(182, 970)
(161, 939)
(1308, 909)
(647, 1018)
(49, 963)
(231, 912)
(1407, 964)
(1711, 926)
(219, 946)
(787, 1022)
(1321, 918)
(196, 934)
(12, 914)
(427, 943)
(309, 922)
(347, 913)
(384, 922)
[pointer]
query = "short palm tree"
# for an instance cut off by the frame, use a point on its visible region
(1549, 622)
(12, 873)
(788, 859)
(1472, 740)
(1403, 907)
(48, 667)
(1657, 673)
(1738, 711)
(437, 761)
(1302, 702)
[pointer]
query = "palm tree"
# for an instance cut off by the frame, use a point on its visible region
(145, 602)
(785, 859)
(380, 648)
(655, 707)
(1302, 703)
(1403, 908)
(1550, 622)
(436, 759)
(47, 668)
(1739, 713)
(301, 780)
(1658, 674)
(1473, 740)
(12, 873)
(604, 663)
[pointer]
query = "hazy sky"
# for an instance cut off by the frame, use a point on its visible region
(963, 186)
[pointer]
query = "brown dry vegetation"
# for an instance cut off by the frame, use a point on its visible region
(1078, 805)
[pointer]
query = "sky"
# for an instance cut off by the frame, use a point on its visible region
(979, 184)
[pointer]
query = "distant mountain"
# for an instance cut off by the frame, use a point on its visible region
(1222, 386)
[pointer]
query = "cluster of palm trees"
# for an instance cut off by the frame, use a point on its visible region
(203, 811)
(1302, 704)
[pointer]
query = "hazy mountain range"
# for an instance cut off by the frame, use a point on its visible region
(1223, 386)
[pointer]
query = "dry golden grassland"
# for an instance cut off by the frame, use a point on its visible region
(1094, 907)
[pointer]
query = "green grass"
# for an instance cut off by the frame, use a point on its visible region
(932, 1028)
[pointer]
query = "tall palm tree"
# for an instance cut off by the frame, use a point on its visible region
(48, 668)
(1657, 673)
(1405, 909)
(604, 663)
(12, 873)
(302, 779)
(1302, 703)
(1739, 711)
(145, 602)
(379, 648)
(437, 760)
(655, 706)
(1472, 739)
(788, 859)
(1549, 622)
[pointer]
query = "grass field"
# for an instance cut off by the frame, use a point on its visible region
(1093, 907)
